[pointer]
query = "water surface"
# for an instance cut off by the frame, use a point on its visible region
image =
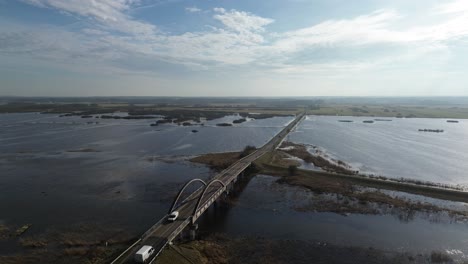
(393, 149)
(48, 181)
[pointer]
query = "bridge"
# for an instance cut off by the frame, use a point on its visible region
(192, 208)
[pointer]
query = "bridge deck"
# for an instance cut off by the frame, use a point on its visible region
(164, 231)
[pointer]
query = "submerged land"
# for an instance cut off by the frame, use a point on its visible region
(355, 190)
(222, 249)
(338, 188)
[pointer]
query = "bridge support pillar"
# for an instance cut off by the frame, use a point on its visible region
(193, 231)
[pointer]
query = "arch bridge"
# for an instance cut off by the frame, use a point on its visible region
(192, 207)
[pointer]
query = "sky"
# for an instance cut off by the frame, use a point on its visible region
(233, 48)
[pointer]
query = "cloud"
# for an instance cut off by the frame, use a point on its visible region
(458, 6)
(238, 39)
(109, 13)
(193, 9)
(360, 30)
(241, 21)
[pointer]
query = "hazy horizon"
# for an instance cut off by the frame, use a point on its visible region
(173, 48)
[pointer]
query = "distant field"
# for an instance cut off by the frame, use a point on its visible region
(391, 111)
(278, 107)
(86, 108)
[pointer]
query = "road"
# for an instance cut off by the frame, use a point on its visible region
(164, 231)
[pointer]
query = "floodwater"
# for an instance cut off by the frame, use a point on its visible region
(47, 182)
(392, 148)
(267, 209)
(118, 182)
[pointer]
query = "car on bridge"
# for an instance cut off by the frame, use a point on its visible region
(173, 216)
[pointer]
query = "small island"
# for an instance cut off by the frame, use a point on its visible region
(431, 130)
(224, 124)
(239, 121)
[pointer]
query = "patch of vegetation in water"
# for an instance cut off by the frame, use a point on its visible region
(86, 243)
(4, 232)
(221, 161)
(431, 130)
(223, 248)
(22, 229)
(224, 124)
(128, 117)
(239, 121)
(300, 151)
(83, 150)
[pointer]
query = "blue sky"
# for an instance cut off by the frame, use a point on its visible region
(233, 47)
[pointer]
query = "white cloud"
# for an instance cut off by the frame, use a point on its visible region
(378, 29)
(110, 13)
(458, 6)
(219, 10)
(241, 21)
(241, 39)
(193, 9)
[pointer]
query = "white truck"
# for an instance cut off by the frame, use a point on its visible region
(144, 254)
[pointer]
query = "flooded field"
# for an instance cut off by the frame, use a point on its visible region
(114, 178)
(62, 172)
(270, 210)
(393, 148)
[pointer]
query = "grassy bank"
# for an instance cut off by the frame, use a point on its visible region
(338, 183)
(347, 185)
(86, 243)
(220, 161)
(220, 249)
(217, 161)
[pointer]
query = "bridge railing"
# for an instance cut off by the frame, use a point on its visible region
(179, 229)
(207, 203)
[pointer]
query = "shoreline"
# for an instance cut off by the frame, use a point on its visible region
(335, 166)
(243, 113)
(275, 164)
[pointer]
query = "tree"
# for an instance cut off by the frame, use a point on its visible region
(292, 169)
(247, 150)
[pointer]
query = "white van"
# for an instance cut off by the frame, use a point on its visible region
(144, 254)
